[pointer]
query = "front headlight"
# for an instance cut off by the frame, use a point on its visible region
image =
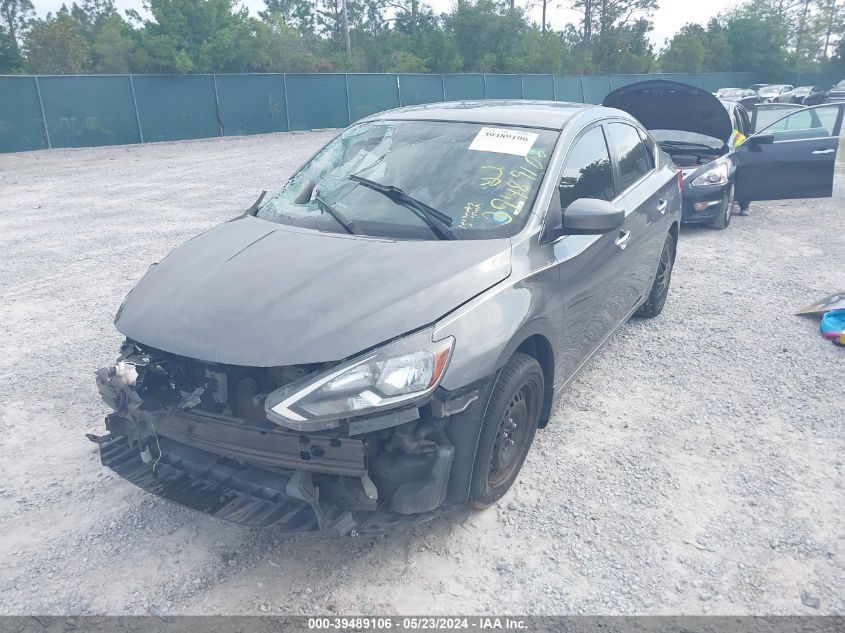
(399, 373)
(716, 175)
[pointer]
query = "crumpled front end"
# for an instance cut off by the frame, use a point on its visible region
(197, 433)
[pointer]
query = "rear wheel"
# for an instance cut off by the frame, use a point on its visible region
(723, 220)
(508, 430)
(660, 288)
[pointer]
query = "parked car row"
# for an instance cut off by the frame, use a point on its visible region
(783, 93)
(385, 335)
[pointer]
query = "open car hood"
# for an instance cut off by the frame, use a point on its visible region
(256, 293)
(668, 105)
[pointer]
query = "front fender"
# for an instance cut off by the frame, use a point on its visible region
(489, 329)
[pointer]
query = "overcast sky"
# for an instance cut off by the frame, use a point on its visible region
(671, 15)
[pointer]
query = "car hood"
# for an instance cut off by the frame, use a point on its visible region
(668, 105)
(256, 293)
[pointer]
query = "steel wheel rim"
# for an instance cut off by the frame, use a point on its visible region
(664, 270)
(512, 435)
(729, 206)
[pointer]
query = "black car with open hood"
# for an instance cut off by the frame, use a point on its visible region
(669, 105)
(723, 157)
(696, 129)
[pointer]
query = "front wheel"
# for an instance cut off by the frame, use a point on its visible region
(660, 288)
(723, 220)
(507, 431)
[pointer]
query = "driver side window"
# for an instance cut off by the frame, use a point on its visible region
(805, 123)
(587, 173)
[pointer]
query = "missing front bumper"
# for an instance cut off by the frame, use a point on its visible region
(240, 493)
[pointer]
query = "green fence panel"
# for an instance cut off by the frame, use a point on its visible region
(414, 89)
(713, 81)
(369, 93)
(595, 88)
(464, 87)
(503, 86)
(89, 111)
(568, 88)
(176, 107)
(99, 110)
(21, 125)
(825, 80)
(317, 101)
(252, 104)
(538, 87)
(617, 81)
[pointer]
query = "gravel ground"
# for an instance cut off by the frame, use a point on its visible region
(694, 467)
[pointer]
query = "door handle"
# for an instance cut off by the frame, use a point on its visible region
(824, 151)
(662, 206)
(622, 240)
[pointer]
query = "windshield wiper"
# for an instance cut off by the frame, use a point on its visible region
(345, 222)
(439, 223)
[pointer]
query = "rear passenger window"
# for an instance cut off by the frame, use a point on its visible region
(650, 146)
(587, 173)
(633, 157)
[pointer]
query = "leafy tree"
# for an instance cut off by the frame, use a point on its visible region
(15, 15)
(288, 49)
(198, 36)
(687, 51)
(615, 34)
(768, 37)
(298, 14)
(57, 46)
(757, 33)
(10, 55)
(405, 62)
(487, 40)
(113, 46)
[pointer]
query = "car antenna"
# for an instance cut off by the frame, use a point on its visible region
(255, 205)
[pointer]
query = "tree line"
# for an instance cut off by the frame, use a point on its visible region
(769, 37)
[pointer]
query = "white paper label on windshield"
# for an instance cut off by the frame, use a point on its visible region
(503, 141)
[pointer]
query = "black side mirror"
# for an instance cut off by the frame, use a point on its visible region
(587, 216)
(760, 139)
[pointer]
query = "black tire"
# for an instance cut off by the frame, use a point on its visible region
(723, 220)
(512, 415)
(660, 288)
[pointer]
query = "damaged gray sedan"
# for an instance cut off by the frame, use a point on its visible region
(382, 338)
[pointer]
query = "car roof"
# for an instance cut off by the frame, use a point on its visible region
(543, 114)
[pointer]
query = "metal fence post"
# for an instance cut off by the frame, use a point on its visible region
(583, 96)
(399, 90)
(554, 88)
(348, 108)
(484, 79)
(443, 85)
(217, 105)
(135, 104)
(43, 116)
(287, 110)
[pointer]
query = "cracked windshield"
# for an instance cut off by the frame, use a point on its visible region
(418, 180)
